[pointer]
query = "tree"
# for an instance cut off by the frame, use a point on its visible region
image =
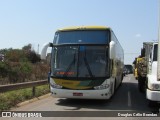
(27, 48)
(15, 55)
(4, 69)
(31, 55)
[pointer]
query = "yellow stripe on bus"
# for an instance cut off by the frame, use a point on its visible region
(71, 84)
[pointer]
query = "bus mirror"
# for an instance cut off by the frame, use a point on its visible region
(44, 50)
(112, 49)
(50, 44)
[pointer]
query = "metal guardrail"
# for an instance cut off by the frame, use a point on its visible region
(33, 84)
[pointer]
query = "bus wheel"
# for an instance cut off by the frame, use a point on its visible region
(114, 87)
(141, 84)
(121, 80)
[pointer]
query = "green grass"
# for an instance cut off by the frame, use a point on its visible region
(12, 98)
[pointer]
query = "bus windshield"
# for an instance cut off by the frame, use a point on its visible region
(80, 61)
(82, 37)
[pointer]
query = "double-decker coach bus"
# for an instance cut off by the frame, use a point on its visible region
(86, 62)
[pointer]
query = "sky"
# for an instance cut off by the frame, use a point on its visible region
(35, 21)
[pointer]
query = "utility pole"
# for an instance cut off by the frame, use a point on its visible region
(38, 49)
(158, 66)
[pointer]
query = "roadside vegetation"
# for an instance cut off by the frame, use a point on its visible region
(17, 66)
(21, 65)
(12, 98)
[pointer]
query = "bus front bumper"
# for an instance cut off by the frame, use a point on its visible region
(81, 94)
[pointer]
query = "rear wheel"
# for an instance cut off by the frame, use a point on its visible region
(141, 84)
(113, 89)
(114, 86)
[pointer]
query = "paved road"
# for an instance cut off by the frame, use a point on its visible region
(126, 99)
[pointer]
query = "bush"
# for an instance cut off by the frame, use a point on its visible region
(4, 69)
(21, 65)
(15, 55)
(19, 71)
(12, 98)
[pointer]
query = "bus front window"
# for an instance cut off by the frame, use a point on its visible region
(80, 61)
(93, 62)
(65, 61)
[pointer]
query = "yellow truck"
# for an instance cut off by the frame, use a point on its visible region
(140, 72)
(135, 68)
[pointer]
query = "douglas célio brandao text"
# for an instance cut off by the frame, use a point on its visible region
(137, 115)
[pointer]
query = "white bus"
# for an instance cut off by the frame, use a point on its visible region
(86, 62)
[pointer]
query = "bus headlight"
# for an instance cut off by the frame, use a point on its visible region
(54, 85)
(103, 86)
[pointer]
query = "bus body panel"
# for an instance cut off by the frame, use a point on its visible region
(118, 62)
(72, 88)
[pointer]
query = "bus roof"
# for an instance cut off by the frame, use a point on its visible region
(84, 28)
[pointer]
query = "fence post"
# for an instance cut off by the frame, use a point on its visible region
(33, 91)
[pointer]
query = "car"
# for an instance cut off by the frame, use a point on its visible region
(128, 69)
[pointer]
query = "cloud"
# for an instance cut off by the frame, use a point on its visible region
(138, 35)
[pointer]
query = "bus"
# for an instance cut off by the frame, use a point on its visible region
(86, 62)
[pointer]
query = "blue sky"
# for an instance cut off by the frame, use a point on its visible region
(35, 21)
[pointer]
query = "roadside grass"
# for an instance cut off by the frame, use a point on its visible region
(12, 98)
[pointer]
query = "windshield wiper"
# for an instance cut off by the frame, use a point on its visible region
(70, 66)
(87, 65)
(72, 63)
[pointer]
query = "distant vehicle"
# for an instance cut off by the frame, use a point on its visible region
(125, 72)
(86, 63)
(128, 69)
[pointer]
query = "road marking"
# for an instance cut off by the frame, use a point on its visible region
(129, 99)
(71, 108)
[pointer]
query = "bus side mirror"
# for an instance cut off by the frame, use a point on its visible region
(112, 50)
(44, 50)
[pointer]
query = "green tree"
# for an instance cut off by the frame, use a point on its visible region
(15, 55)
(4, 69)
(31, 55)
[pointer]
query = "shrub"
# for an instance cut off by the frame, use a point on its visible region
(12, 98)
(4, 69)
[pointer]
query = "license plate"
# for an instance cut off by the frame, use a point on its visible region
(77, 94)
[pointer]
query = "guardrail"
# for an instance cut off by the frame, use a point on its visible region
(33, 84)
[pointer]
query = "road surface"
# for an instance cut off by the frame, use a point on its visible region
(126, 99)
